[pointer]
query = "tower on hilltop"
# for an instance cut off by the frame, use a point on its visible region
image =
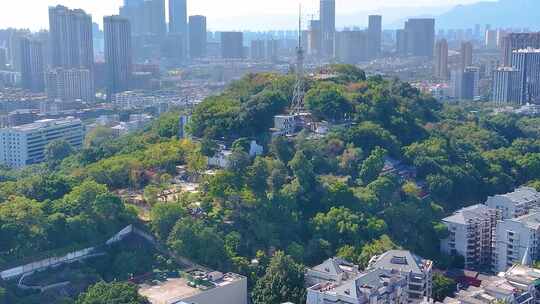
(297, 104)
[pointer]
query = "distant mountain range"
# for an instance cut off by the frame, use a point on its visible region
(504, 13)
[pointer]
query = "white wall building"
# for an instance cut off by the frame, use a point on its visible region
(516, 203)
(70, 85)
(418, 272)
(25, 145)
(517, 241)
(471, 232)
(229, 288)
(395, 277)
(333, 270)
(377, 286)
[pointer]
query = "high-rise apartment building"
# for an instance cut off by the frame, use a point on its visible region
(314, 38)
(352, 46)
(517, 241)
(25, 145)
(178, 23)
(258, 50)
(3, 58)
(154, 11)
(466, 54)
(71, 39)
(232, 45)
(401, 42)
(70, 85)
(272, 47)
(507, 86)
(441, 59)
(328, 27)
(374, 36)
(133, 10)
(471, 231)
(517, 41)
(527, 62)
(118, 56)
(178, 17)
(491, 39)
(420, 35)
(197, 36)
(465, 83)
(147, 17)
(515, 204)
(32, 76)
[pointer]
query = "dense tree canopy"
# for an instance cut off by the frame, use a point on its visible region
(282, 282)
(394, 163)
(112, 293)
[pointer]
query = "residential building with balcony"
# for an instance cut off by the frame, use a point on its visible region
(517, 241)
(471, 231)
(378, 286)
(333, 270)
(515, 204)
(418, 272)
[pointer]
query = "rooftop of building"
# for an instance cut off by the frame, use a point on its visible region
(45, 123)
(15, 94)
(364, 284)
(523, 275)
(527, 50)
(531, 220)
(466, 214)
(191, 283)
(336, 266)
(506, 69)
(521, 195)
(401, 260)
(514, 283)
(473, 295)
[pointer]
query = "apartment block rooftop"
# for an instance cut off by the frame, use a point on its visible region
(463, 216)
(521, 195)
(531, 220)
(45, 123)
(374, 282)
(194, 284)
(402, 260)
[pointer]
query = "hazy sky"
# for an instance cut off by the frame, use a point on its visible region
(221, 13)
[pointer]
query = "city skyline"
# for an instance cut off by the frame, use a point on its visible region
(234, 15)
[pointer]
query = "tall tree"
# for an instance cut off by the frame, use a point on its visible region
(282, 282)
(112, 293)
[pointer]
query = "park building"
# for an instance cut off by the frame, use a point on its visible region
(25, 145)
(470, 235)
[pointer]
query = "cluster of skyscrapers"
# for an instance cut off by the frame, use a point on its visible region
(513, 76)
(63, 63)
(518, 80)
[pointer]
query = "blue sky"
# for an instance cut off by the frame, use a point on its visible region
(222, 14)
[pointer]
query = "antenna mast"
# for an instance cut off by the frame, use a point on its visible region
(297, 104)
